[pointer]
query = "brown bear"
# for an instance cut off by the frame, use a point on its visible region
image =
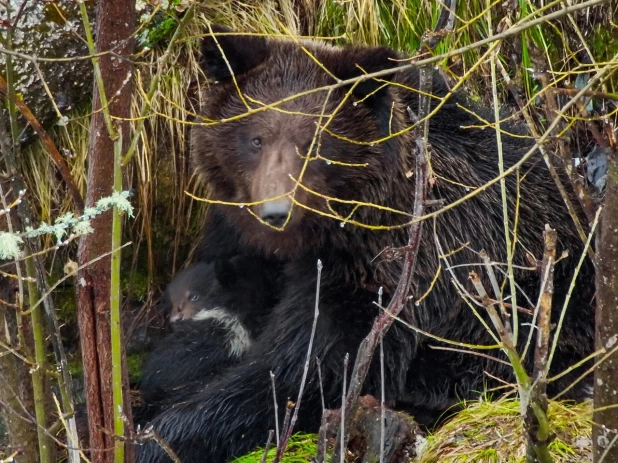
(323, 171)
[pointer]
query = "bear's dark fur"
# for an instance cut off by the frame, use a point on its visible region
(236, 296)
(257, 157)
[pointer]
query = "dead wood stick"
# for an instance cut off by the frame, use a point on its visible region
(50, 147)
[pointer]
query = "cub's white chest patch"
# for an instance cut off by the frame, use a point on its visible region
(238, 340)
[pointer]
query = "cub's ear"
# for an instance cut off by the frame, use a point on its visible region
(358, 61)
(242, 53)
(164, 307)
(226, 272)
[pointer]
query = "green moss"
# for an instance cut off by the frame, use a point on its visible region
(301, 449)
(136, 284)
(163, 30)
(604, 42)
(75, 367)
(64, 297)
(135, 363)
(488, 432)
(161, 27)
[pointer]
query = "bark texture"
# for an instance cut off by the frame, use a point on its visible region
(115, 24)
(605, 431)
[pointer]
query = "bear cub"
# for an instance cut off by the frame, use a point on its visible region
(216, 310)
(187, 294)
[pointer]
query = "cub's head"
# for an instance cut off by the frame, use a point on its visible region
(281, 135)
(191, 291)
(242, 286)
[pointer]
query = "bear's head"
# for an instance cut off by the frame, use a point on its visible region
(285, 136)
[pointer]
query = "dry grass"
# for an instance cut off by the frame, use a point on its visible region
(491, 432)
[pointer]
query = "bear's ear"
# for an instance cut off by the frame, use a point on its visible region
(226, 272)
(366, 60)
(241, 53)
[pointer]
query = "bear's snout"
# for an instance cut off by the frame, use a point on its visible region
(276, 212)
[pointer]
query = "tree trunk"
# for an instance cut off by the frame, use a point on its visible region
(16, 390)
(115, 24)
(16, 383)
(605, 432)
(16, 393)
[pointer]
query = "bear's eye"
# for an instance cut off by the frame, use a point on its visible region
(256, 142)
(193, 297)
(310, 149)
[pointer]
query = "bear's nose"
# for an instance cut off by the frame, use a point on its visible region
(276, 212)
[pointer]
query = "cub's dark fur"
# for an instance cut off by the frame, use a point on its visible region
(236, 296)
(363, 153)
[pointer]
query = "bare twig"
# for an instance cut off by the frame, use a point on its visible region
(567, 299)
(409, 253)
(552, 170)
(592, 94)
(608, 448)
(382, 382)
(154, 85)
(508, 306)
(496, 319)
(319, 366)
(328, 417)
(11, 458)
(567, 158)
(384, 321)
(272, 379)
(281, 445)
(542, 347)
(49, 146)
(512, 327)
(320, 456)
(287, 430)
(470, 352)
(535, 420)
(24, 216)
(165, 446)
(496, 289)
(71, 431)
(343, 397)
(523, 380)
(267, 446)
